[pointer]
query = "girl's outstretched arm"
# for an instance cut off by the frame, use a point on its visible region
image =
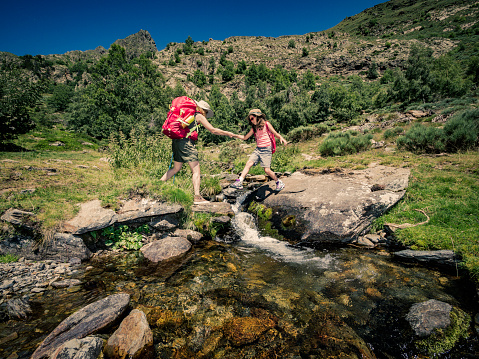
(273, 131)
(245, 137)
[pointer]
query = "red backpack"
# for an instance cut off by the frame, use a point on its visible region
(271, 137)
(181, 115)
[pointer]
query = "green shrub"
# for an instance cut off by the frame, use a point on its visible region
(343, 143)
(303, 133)
(283, 158)
(229, 151)
(422, 139)
(210, 186)
(462, 131)
(393, 132)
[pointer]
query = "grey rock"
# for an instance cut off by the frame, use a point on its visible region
(66, 283)
(86, 348)
(17, 308)
(165, 248)
(221, 208)
(189, 234)
(333, 207)
(92, 217)
(439, 258)
(145, 208)
(426, 316)
(16, 216)
(84, 322)
(166, 223)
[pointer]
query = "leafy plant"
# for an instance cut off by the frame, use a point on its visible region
(123, 238)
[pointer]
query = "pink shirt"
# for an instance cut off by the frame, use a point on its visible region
(262, 137)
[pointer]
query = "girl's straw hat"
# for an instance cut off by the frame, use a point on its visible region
(257, 112)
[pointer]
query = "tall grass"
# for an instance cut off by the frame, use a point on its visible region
(149, 152)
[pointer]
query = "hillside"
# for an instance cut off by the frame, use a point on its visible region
(382, 35)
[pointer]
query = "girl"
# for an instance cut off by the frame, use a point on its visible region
(261, 130)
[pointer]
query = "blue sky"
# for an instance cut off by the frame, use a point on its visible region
(55, 27)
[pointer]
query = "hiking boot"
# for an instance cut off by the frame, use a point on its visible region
(200, 200)
(279, 185)
(237, 184)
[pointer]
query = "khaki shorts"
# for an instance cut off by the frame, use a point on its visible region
(184, 150)
(262, 155)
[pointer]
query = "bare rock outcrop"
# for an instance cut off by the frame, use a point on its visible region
(332, 208)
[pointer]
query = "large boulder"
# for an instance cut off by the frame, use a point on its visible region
(165, 248)
(145, 209)
(132, 340)
(84, 322)
(332, 208)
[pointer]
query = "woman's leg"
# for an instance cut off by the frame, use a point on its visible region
(196, 176)
(172, 171)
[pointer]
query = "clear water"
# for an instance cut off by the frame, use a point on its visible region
(313, 304)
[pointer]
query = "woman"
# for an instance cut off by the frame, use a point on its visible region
(184, 150)
(263, 132)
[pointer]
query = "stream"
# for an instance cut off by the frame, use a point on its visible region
(258, 298)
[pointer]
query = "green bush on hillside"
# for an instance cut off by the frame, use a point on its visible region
(392, 132)
(303, 133)
(460, 133)
(422, 139)
(344, 143)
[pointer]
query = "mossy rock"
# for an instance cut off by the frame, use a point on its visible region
(445, 339)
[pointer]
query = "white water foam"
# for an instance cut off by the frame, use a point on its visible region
(245, 226)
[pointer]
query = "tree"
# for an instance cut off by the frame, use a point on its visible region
(122, 96)
(473, 69)
(199, 78)
(373, 71)
(18, 95)
(309, 81)
(291, 44)
(61, 97)
(228, 72)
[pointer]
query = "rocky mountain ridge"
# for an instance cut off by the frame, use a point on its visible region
(381, 35)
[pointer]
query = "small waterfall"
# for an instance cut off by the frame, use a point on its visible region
(245, 226)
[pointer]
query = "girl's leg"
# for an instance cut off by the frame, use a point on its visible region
(172, 171)
(246, 169)
(196, 176)
(270, 173)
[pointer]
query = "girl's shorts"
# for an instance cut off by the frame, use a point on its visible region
(262, 155)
